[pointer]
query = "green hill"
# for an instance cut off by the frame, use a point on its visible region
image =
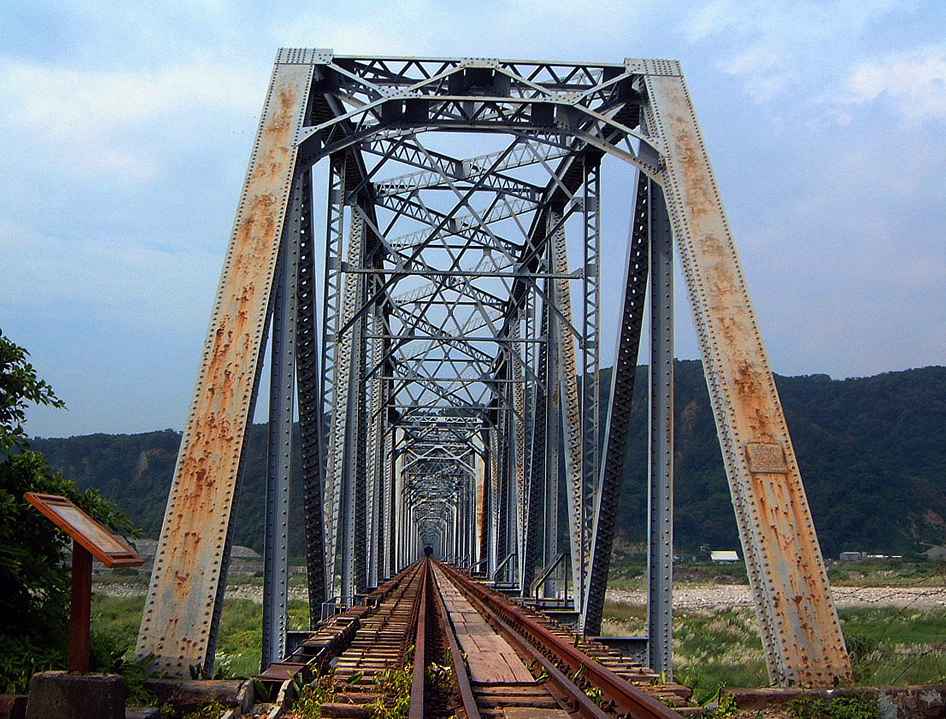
(871, 452)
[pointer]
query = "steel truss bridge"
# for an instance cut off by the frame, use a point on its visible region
(419, 243)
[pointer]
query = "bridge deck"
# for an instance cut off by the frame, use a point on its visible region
(504, 660)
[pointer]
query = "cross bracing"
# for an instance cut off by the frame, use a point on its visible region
(420, 240)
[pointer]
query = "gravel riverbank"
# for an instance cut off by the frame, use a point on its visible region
(686, 598)
(690, 598)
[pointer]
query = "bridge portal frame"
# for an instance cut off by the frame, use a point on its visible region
(324, 106)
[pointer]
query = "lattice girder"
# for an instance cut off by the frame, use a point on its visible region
(449, 345)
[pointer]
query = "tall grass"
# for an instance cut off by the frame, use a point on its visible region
(888, 645)
(239, 639)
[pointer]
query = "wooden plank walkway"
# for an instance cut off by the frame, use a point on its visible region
(489, 657)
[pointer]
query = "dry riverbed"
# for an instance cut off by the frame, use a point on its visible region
(695, 597)
(685, 598)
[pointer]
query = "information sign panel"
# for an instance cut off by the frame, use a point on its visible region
(102, 544)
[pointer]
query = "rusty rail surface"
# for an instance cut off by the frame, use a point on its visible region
(420, 642)
(410, 610)
(462, 676)
(382, 611)
(618, 696)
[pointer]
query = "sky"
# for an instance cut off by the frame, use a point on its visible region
(125, 130)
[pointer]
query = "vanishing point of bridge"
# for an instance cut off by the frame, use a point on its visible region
(418, 244)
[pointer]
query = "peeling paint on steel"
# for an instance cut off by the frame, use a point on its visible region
(177, 626)
(800, 628)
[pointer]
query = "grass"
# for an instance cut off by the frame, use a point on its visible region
(903, 572)
(896, 646)
(239, 639)
(888, 645)
(710, 648)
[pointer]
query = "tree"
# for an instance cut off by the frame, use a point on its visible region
(34, 576)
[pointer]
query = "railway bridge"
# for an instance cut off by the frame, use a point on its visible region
(425, 259)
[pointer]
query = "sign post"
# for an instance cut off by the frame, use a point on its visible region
(89, 540)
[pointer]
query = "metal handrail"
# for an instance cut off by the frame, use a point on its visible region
(503, 564)
(547, 574)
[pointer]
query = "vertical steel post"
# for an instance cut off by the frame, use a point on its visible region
(348, 438)
(590, 361)
(376, 415)
(553, 417)
(332, 389)
(660, 474)
(566, 370)
(494, 506)
(279, 449)
(537, 468)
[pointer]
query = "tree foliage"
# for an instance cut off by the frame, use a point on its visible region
(34, 576)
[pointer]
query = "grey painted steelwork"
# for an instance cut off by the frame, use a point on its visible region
(624, 374)
(460, 346)
(279, 466)
(311, 426)
(660, 416)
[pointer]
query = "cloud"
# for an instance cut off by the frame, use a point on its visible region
(765, 71)
(71, 104)
(774, 48)
(105, 123)
(913, 82)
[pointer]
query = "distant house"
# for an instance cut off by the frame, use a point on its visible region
(723, 556)
(937, 552)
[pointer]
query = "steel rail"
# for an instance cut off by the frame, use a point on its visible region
(456, 654)
(566, 688)
(331, 639)
(538, 642)
(420, 640)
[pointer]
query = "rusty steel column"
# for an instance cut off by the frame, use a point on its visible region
(182, 611)
(801, 634)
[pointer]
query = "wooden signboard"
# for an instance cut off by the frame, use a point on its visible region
(89, 539)
(96, 539)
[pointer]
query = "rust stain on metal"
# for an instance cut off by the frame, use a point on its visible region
(790, 586)
(190, 554)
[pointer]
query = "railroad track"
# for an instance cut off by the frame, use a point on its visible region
(433, 643)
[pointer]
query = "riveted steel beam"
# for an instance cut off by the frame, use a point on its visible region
(660, 448)
(624, 374)
(182, 612)
(279, 450)
(434, 357)
(801, 634)
(311, 425)
(566, 371)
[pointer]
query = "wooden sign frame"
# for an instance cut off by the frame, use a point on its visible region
(89, 539)
(92, 536)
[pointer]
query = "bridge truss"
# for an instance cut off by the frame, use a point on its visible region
(445, 364)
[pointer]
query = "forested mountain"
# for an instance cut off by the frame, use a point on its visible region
(872, 453)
